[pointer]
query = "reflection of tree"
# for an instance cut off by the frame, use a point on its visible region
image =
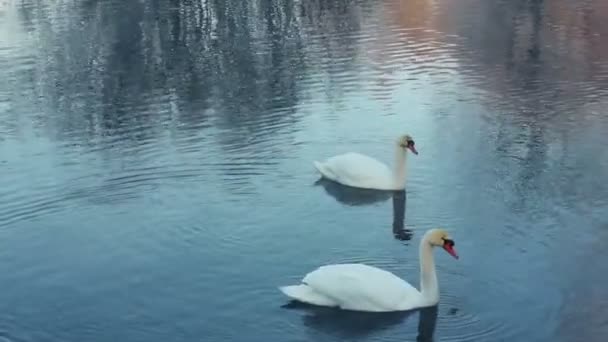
(533, 48)
(333, 43)
(538, 84)
(238, 60)
(121, 71)
(120, 75)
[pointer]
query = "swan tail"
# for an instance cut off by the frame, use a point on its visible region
(318, 166)
(306, 294)
(323, 170)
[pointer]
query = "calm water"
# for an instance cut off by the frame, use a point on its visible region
(156, 179)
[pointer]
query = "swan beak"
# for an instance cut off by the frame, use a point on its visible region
(413, 149)
(450, 249)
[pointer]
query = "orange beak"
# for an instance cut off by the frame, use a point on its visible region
(450, 249)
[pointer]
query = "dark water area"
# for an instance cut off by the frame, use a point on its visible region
(156, 178)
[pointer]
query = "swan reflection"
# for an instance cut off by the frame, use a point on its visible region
(357, 197)
(353, 196)
(349, 324)
(399, 204)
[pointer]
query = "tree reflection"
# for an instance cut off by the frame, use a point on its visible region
(539, 66)
(116, 63)
(114, 73)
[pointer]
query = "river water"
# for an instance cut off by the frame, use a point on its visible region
(156, 179)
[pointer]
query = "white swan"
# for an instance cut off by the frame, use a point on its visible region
(360, 287)
(360, 171)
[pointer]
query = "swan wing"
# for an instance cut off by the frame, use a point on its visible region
(362, 288)
(357, 170)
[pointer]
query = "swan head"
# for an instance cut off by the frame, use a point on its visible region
(440, 238)
(407, 142)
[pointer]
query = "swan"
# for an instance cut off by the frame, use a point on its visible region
(360, 287)
(360, 171)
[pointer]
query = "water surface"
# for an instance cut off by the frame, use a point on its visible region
(156, 180)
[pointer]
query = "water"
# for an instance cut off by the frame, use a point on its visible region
(156, 179)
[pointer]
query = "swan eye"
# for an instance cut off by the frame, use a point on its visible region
(411, 143)
(448, 242)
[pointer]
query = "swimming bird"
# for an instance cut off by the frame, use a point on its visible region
(360, 287)
(360, 171)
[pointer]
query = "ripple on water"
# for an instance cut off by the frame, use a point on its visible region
(462, 326)
(31, 209)
(460, 320)
(6, 337)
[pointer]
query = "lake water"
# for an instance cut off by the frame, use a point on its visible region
(156, 179)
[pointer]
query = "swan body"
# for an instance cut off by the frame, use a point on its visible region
(357, 170)
(360, 171)
(360, 287)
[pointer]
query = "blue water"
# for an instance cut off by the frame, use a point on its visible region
(156, 179)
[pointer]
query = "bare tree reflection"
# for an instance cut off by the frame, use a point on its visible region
(109, 60)
(116, 76)
(537, 95)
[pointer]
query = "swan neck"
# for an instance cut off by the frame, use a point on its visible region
(399, 167)
(428, 277)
